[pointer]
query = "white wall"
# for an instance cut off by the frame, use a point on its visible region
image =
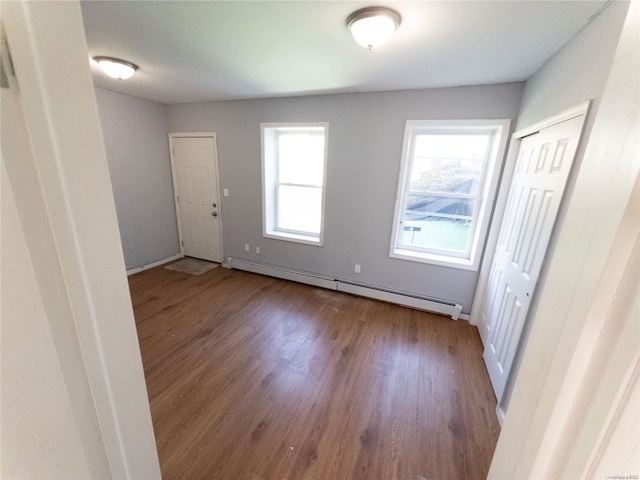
(40, 436)
(74, 400)
(365, 143)
(135, 136)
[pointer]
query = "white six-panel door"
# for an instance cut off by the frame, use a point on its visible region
(543, 163)
(195, 167)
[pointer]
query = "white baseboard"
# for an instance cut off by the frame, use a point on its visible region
(154, 264)
(369, 291)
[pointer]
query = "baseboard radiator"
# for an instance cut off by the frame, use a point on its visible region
(451, 309)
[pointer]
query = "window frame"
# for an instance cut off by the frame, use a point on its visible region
(484, 199)
(269, 134)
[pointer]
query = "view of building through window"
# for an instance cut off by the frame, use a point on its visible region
(444, 190)
(448, 177)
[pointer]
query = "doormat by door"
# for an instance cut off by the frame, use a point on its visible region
(192, 266)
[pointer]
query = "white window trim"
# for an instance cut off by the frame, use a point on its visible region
(268, 182)
(491, 176)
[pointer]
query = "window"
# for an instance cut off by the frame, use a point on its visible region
(294, 158)
(446, 190)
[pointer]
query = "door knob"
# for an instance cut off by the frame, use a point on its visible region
(214, 205)
(214, 214)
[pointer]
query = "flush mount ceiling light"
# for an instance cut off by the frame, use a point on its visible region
(372, 26)
(116, 68)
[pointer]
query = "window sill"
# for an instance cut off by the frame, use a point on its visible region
(294, 237)
(433, 259)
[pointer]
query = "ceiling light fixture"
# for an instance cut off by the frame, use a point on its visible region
(372, 26)
(116, 68)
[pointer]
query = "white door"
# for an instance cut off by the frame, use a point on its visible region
(196, 181)
(543, 163)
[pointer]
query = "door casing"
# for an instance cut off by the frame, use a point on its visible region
(175, 184)
(498, 214)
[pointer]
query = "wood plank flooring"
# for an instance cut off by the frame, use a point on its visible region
(251, 377)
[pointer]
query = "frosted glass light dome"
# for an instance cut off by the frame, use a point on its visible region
(372, 27)
(116, 68)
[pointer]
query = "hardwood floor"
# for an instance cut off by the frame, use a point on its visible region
(255, 378)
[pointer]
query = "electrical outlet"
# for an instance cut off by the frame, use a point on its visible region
(257, 249)
(357, 269)
(225, 192)
(247, 248)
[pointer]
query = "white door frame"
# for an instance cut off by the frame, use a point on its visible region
(175, 182)
(505, 185)
(78, 258)
(503, 196)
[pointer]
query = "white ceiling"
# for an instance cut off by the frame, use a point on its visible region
(222, 50)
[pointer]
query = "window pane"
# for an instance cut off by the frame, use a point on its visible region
(420, 205)
(299, 208)
(472, 146)
(446, 175)
(301, 158)
(449, 163)
(436, 232)
(431, 221)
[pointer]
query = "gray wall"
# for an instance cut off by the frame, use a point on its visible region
(365, 142)
(135, 135)
(577, 73)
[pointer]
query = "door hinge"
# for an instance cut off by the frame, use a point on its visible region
(182, 242)
(178, 198)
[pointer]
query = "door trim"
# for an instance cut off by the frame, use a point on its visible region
(174, 179)
(497, 219)
(503, 195)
